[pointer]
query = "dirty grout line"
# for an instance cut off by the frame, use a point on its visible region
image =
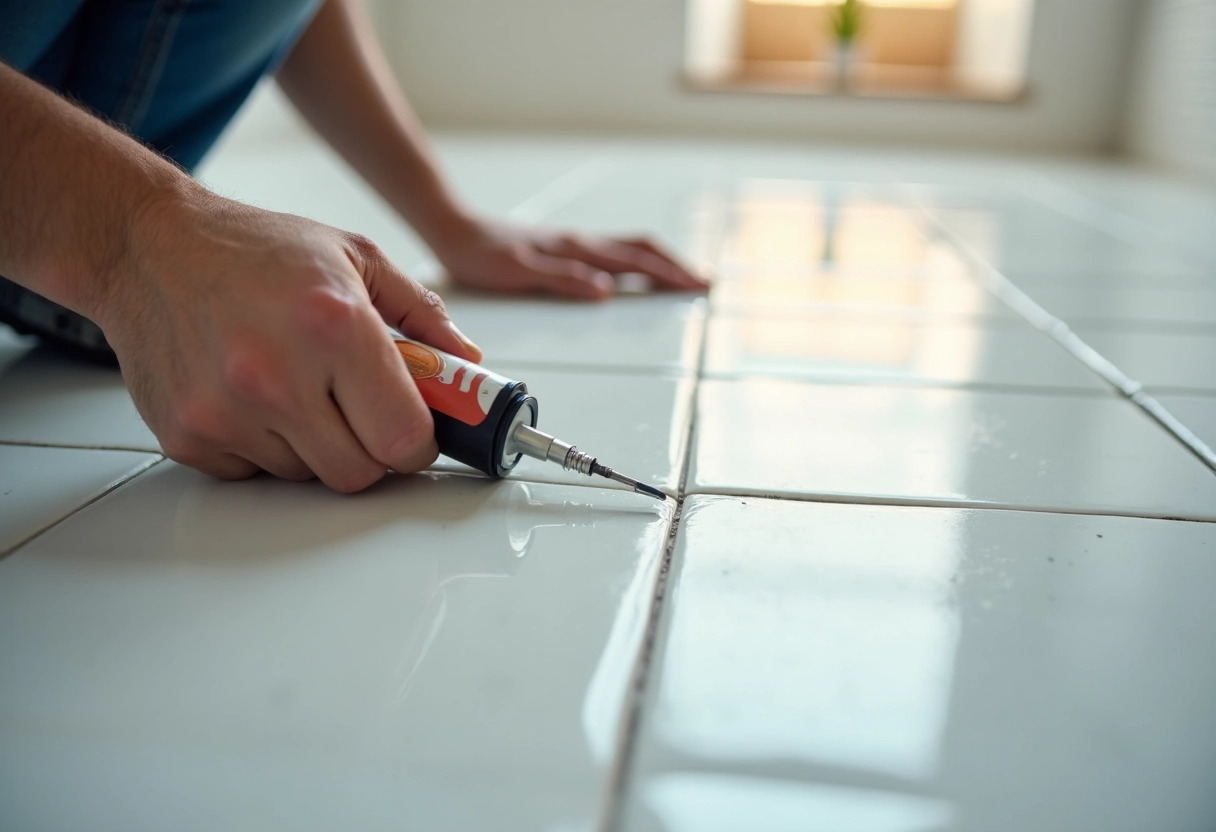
(631, 724)
(133, 449)
(1023, 304)
(109, 489)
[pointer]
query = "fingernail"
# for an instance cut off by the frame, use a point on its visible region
(603, 281)
(464, 339)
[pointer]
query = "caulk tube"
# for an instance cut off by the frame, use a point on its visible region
(476, 411)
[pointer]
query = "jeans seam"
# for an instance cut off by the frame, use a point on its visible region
(154, 52)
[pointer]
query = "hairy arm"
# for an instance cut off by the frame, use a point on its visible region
(249, 340)
(72, 195)
(338, 78)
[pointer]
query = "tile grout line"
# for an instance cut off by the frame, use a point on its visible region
(1055, 328)
(631, 726)
(105, 492)
(22, 443)
(960, 505)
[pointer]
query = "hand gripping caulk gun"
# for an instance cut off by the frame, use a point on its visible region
(488, 421)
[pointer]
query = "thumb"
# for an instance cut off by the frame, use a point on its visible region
(411, 308)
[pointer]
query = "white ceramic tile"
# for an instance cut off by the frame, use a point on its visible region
(687, 801)
(660, 332)
(436, 653)
(882, 444)
(678, 203)
(48, 397)
(1181, 360)
(882, 668)
(1039, 238)
(935, 351)
(1196, 413)
(39, 486)
(855, 292)
(789, 226)
(636, 424)
(1117, 305)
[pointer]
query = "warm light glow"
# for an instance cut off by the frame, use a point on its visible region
(889, 4)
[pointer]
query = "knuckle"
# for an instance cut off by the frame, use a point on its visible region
(181, 449)
(412, 440)
(251, 374)
(363, 244)
(197, 419)
(432, 299)
(329, 315)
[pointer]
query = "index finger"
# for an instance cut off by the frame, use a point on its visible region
(683, 277)
(619, 257)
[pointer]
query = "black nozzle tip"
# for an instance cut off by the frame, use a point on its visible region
(643, 488)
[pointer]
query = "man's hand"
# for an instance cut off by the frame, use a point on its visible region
(502, 258)
(254, 340)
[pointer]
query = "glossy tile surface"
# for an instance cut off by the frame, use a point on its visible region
(641, 333)
(1034, 237)
(879, 444)
(1197, 414)
(49, 398)
(636, 424)
(278, 655)
(792, 227)
(1176, 360)
(856, 292)
(857, 667)
(1107, 305)
(445, 652)
(936, 351)
(40, 486)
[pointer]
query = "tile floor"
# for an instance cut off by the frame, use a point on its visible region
(942, 435)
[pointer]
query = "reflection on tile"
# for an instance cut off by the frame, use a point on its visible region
(1112, 305)
(39, 486)
(699, 802)
(292, 657)
(637, 424)
(790, 226)
(937, 351)
(47, 397)
(1158, 360)
(881, 444)
(844, 292)
(659, 332)
(886, 651)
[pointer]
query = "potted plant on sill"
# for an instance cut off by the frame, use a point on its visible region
(846, 23)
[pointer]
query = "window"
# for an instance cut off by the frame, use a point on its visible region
(961, 48)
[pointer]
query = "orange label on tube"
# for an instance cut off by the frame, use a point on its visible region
(451, 385)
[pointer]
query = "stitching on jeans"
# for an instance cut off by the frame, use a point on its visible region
(153, 54)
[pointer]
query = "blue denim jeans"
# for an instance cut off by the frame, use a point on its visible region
(172, 73)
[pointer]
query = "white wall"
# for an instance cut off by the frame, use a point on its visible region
(616, 65)
(1171, 117)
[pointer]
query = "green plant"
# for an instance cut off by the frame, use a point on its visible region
(846, 20)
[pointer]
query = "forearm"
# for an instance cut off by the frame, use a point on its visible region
(72, 190)
(338, 78)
